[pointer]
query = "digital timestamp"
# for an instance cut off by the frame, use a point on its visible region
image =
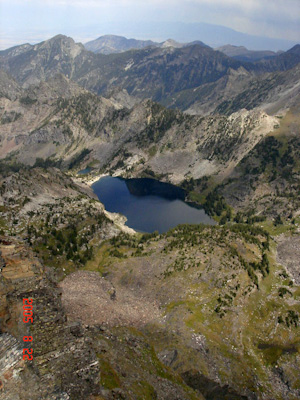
(27, 318)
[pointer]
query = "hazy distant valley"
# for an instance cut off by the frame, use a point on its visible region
(199, 312)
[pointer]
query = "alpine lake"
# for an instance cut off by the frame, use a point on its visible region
(149, 205)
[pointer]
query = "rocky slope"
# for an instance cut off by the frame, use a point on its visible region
(81, 127)
(208, 306)
(267, 180)
(156, 73)
(198, 313)
(274, 93)
(282, 62)
(25, 120)
(9, 88)
(238, 89)
(31, 64)
(71, 360)
(42, 207)
(207, 296)
(57, 123)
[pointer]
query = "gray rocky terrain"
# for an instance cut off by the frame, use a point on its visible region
(199, 312)
(158, 73)
(74, 122)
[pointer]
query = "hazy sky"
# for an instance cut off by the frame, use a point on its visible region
(35, 20)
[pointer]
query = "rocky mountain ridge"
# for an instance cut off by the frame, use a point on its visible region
(56, 122)
(109, 44)
(156, 73)
(105, 133)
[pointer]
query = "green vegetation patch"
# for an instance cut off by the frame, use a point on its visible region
(109, 378)
(27, 101)
(272, 352)
(143, 390)
(79, 158)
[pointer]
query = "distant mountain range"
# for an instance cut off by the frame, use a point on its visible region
(109, 44)
(194, 78)
(157, 31)
(241, 53)
(184, 32)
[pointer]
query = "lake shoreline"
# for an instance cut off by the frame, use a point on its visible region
(89, 180)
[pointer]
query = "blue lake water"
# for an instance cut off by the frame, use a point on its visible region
(84, 171)
(149, 205)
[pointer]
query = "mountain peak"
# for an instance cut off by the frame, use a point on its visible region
(108, 44)
(171, 43)
(59, 39)
(61, 36)
(61, 44)
(109, 36)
